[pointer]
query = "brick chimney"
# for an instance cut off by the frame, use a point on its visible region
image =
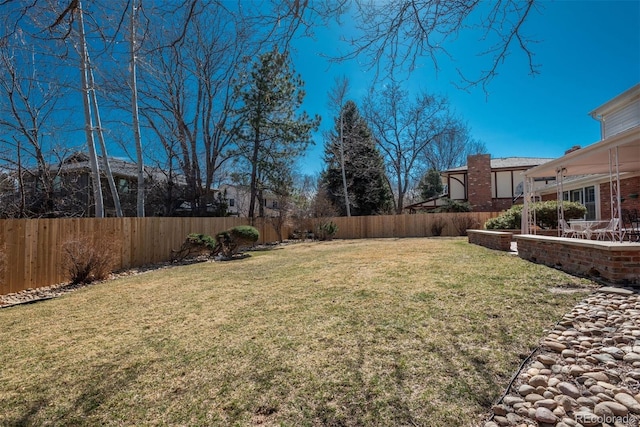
(479, 182)
(572, 149)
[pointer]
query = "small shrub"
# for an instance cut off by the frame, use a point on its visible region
(437, 226)
(462, 223)
(546, 214)
(245, 232)
(204, 240)
(229, 242)
(327, 230)
(453, 206)
(86, 260)
(195, 244)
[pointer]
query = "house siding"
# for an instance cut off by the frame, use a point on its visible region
(621, 120)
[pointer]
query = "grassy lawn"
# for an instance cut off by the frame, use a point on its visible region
(369, 332)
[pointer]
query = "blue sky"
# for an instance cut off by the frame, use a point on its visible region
(588, 52)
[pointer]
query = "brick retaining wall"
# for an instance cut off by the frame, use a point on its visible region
(499, 240)
(612, 261)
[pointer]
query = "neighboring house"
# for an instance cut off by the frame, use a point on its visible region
(73, 191)
(488, 184)
(591, 174)
(238, 198)
(74, 180)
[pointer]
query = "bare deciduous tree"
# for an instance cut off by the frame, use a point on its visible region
(397, 35)
(187, 97)
(404, 128)
(27, 109)
(451, 148)
(337, 97)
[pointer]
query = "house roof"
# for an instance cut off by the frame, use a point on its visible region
(80, 162)
(508, 163)
(619, 101)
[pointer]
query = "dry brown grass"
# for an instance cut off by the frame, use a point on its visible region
(376, 332)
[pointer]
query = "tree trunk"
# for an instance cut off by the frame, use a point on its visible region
(103, 146)
(344, 174)
(400, 204)
(254, 176)
(88, 124)
(261, 203)
(136, 119)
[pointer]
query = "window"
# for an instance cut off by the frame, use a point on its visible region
(232, 202)
(123, 186)
(57, 183)
(585, 196)
(275, 204)
(590, 202)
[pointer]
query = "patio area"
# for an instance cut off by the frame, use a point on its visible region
(609, 261)
(605, 178)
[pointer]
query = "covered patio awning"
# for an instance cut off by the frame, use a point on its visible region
(617, 154)
(594, 159)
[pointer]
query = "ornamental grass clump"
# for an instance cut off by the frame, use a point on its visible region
(437, 226)
(86, 260)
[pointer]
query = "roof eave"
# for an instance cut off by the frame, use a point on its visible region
(616, 102)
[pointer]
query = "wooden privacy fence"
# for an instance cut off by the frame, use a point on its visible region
(418, 225)
(33, 247)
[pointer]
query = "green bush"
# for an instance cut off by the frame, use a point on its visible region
(202, 240)
(327, 230)
(245, 232)
(453, 206)
(546, 214)
(229, 242)
(195, 244)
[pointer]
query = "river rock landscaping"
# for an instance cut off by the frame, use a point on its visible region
(586, 372)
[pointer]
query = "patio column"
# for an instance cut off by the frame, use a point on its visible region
(614, 186)
(560, 197)
(528, 219)
(524, 220)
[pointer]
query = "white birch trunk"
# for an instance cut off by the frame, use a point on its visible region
(344, 174)
(88, 124)
(103, 146)
(134, 112)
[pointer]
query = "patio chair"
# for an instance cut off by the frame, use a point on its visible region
(611, 229)
(567, 230)
(631, 224)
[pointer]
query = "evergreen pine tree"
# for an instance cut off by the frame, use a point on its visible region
(368, 188)
(273, 133)
(430, 185)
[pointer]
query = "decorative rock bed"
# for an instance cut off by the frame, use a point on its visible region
(587, 371)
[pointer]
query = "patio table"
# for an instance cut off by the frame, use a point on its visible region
(584, 229)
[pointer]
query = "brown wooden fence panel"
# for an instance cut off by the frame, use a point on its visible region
(418, 225)
(33, 247)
